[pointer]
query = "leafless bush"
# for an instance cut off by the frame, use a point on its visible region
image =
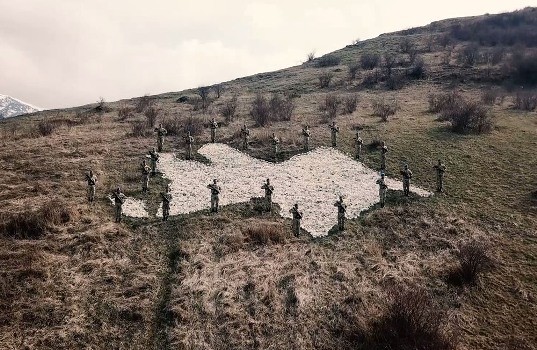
(124, 112)
(469, 55)
(139, 129)
(173, 126)
(523, 68)
(203, 92)
(369, 60)
(281, 109)
(384, 109)
(325, 78)
(265, 233)
(34, 224)
(218, 89)
(151, 114)
(260, 110)
(196, 102)
(143, 103)
(390, 60)
(353, 70)
(489, 96)
(411, 320)
(311, 57)
(437, 102)
(473, 261)
(328, 60)
(468, 117)
(350, 103)
(406, 45)
(525, 100)
(395, 81)
(229, 108)
(194, 125)
(418, 69)
(46, 127)
(330, 106)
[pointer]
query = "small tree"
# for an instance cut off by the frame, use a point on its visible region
(325, 78)
(151, 114)
(203, 92)
(218, 89)
(260, 110)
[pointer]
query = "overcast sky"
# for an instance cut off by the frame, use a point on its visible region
(59, 53)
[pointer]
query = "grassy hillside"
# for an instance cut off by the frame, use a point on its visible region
(71, 278)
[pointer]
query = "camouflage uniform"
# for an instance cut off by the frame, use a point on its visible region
(161, 132)
(146, 171)
(297, 216)
(215, 191)
(119, 199)
(341, 210)
(440, 170)
(269, 189)
(275, 143)
(383, 188)
(383, 152)
(334, 130)
(154, 159)
(92, 181)
(245, 133)
(214, 126)
(189, 142)
(306, 133)
(359, 142)
(407, 175)
(166, 199)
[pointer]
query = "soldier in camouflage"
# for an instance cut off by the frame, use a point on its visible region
(407, 175)
(269, 189)
(146, 172)
(166, 199)
(297, 216)
(214, 126)
(154, 159)
(119, 198)
(161, 132)
(306, 133)
(275, 142)
(245, 134)
(92, 182)
(359, 142)
(189, 142)
(383, 151)
(341, 210)
(440, 170)
(215, 192)
(383, 188)
(334, 129)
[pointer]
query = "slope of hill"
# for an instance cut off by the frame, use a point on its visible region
(10, 107)
(401, 276)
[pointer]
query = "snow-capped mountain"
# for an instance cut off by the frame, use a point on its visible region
(11, 107)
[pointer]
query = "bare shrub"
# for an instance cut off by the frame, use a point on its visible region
(124, 112)
(437, 102)
(411, 320)
(229, 109)
(139, 129)
(173, 126)
(143, 103)
(390, 61)
(468, 116)
(325, 78)
(523, 69)
(46, 127)
(218, 89)
(101, 105)
(353, 70)
(151, 114)
(34, 224)
(384, 109)
(194, 125)
(469, 55)
(350, 103)
(525, 100)
(489, 96)
(395, 81)
(281, 109)
(329, 60)
(203, 92)
(196, 102)
(369, 60)
(372, 78)
(418, 69)
(265, 233)
(330, 106)
(311, 57)
(405, 45)
(473, 261)
(260, 110)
